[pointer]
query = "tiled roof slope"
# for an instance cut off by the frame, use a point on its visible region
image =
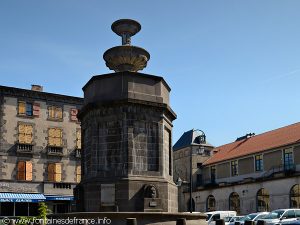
(265, 141)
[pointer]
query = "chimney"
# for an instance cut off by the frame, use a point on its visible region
(35, 87)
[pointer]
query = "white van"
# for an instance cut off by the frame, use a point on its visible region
(216, 215)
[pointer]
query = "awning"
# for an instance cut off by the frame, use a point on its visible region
(20, 197)
(59, 198)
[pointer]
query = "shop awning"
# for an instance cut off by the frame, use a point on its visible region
(59, 198)
(20, 197)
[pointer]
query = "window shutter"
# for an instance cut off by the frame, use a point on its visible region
(22, 137)
(57, 172)
(28, 134)
(51, 136)
(78, 139)
(73, 113)
(21, 170)
(51, 112)
(28, 170)
(51, 168)
(22, 108)
(36, 109)
(78, 174)
(59, 114)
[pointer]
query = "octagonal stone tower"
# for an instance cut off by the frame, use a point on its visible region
(126, 135)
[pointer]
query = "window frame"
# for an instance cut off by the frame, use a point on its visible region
(61, 137)
(26, 104)
(234, 168)
(26, 175)
(259, 167)
(56, 109)
(55, 164)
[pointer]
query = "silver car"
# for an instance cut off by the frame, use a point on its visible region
(282, 216)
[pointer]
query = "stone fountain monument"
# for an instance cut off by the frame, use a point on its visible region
(126, 121)
(127, 134)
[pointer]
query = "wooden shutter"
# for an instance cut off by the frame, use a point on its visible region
(78, 174)
(73, 114)
(55, 137)
(57, 177)
(21, 170)
(28, 170)
(22, 108)
(78, 139)
(36, 109)
(51, 112)
(22, 137)
(51, 168)
(28, 134)
(59, 113)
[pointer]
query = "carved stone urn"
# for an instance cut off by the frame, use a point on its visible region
(126, 57)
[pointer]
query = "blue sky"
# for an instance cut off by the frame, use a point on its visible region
(233, 65)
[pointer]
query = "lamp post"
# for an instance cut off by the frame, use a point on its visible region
(201, 139)
(191, 178)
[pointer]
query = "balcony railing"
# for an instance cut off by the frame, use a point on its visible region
(55, 150)
(287, 169)
(24, 148)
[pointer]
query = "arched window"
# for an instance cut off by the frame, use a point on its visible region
(263, 200)
(211, 203)
(295, 196)
(234, 202)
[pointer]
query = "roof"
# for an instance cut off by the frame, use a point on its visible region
(269, 140)
(26, 93)
(189, 138)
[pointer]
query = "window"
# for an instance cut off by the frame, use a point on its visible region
(211, 203)
(78, 174)
(234, 168)
(78, 139)
(289, 214)
(55, 112)
(288, 159)
(295, 196)
(234, 202)
(24, 170)
(263, 200)
(55, 137)
(25, 135)
(213, 174)
(54, 172)
(73, 114)
(25, 108)
(258, 163)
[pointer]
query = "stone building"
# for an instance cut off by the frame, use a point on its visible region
(40, 142)
(192, 145)
(254, 173)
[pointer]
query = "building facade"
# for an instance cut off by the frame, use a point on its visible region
(254, 173)
(40, 143)
(189, 153)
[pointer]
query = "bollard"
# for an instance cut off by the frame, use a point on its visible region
(237, 223)
(249, 222)
(131, 221)
(12, 222)
(261, 222)
(181, 221)
(220, 222)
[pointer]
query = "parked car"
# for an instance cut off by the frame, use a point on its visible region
(215, 215)
(282, 216)
(232, 219)
(253, 217)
